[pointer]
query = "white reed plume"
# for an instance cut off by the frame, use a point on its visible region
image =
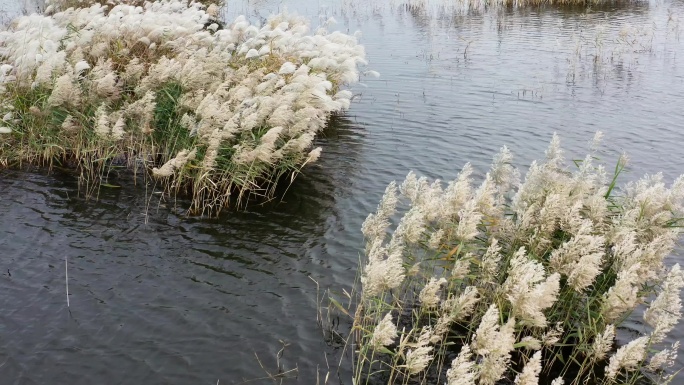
(455, 309)
(462, 306)
(430, 200)
(174, 164)
(65, 92)
(118, 128)
(70, 124)
(529, 290)
(134, 70)
(552, 336)
(654, 252)
(494, 343)
(628, 357)
(103, 125)
(463, 370)
(436, 239)
(596, 140)
(461, 267)
(629, 250)
(429, 295)
(104, 80)
(530, 373)
(469, 218)
(143, 110)
(491, 262)
(503, 173)
(375, 226)
(580, 258)
(457, 193)
(666, 310)
(589, 180)
(603, 343)
(383, 272)
(418, 358)
(554, 153)
(409, 230)
(287, 68)
(488, 200)
(314, 155)
(81, 66)
(411, 186)
(664, 358)
(531, 343)
(622, 297)
(648, 206)
(384, 333)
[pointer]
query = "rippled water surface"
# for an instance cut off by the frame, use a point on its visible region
(160, 298)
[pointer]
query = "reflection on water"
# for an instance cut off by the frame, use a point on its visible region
(159, 298)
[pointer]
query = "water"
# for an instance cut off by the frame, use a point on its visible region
(159, 298)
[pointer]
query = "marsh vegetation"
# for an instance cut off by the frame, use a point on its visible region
(219, 112)
(519, 280)
(567, 274)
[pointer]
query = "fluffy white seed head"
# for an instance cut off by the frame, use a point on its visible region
(429, 295)
(603, 343)
(666, 310)
(463, 370)
(381, 275)
(168, 169)
(418, 358)
(628, 357)
(623, 296)
(530, 373)
(528, 290)
(385, 333)
(663, 359)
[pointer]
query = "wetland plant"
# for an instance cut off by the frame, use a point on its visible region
(52, 6)
(525, 282)
(220, 112)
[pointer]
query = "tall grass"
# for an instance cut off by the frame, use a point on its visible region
(519, 281)
(220, 112)
(52, 6)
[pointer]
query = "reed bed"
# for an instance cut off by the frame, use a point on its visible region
(222, 112)
(52, 6)
(525, 282)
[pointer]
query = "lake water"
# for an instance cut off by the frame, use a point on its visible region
(160, 298)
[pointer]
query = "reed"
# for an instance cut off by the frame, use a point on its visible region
(518, 281)
(52, 6)
(66, 279)
(220, 112)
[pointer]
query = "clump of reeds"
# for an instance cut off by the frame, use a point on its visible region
(216, 111)
(53, 6)
(519, 281)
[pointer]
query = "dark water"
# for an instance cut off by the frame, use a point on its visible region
(159, 298)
